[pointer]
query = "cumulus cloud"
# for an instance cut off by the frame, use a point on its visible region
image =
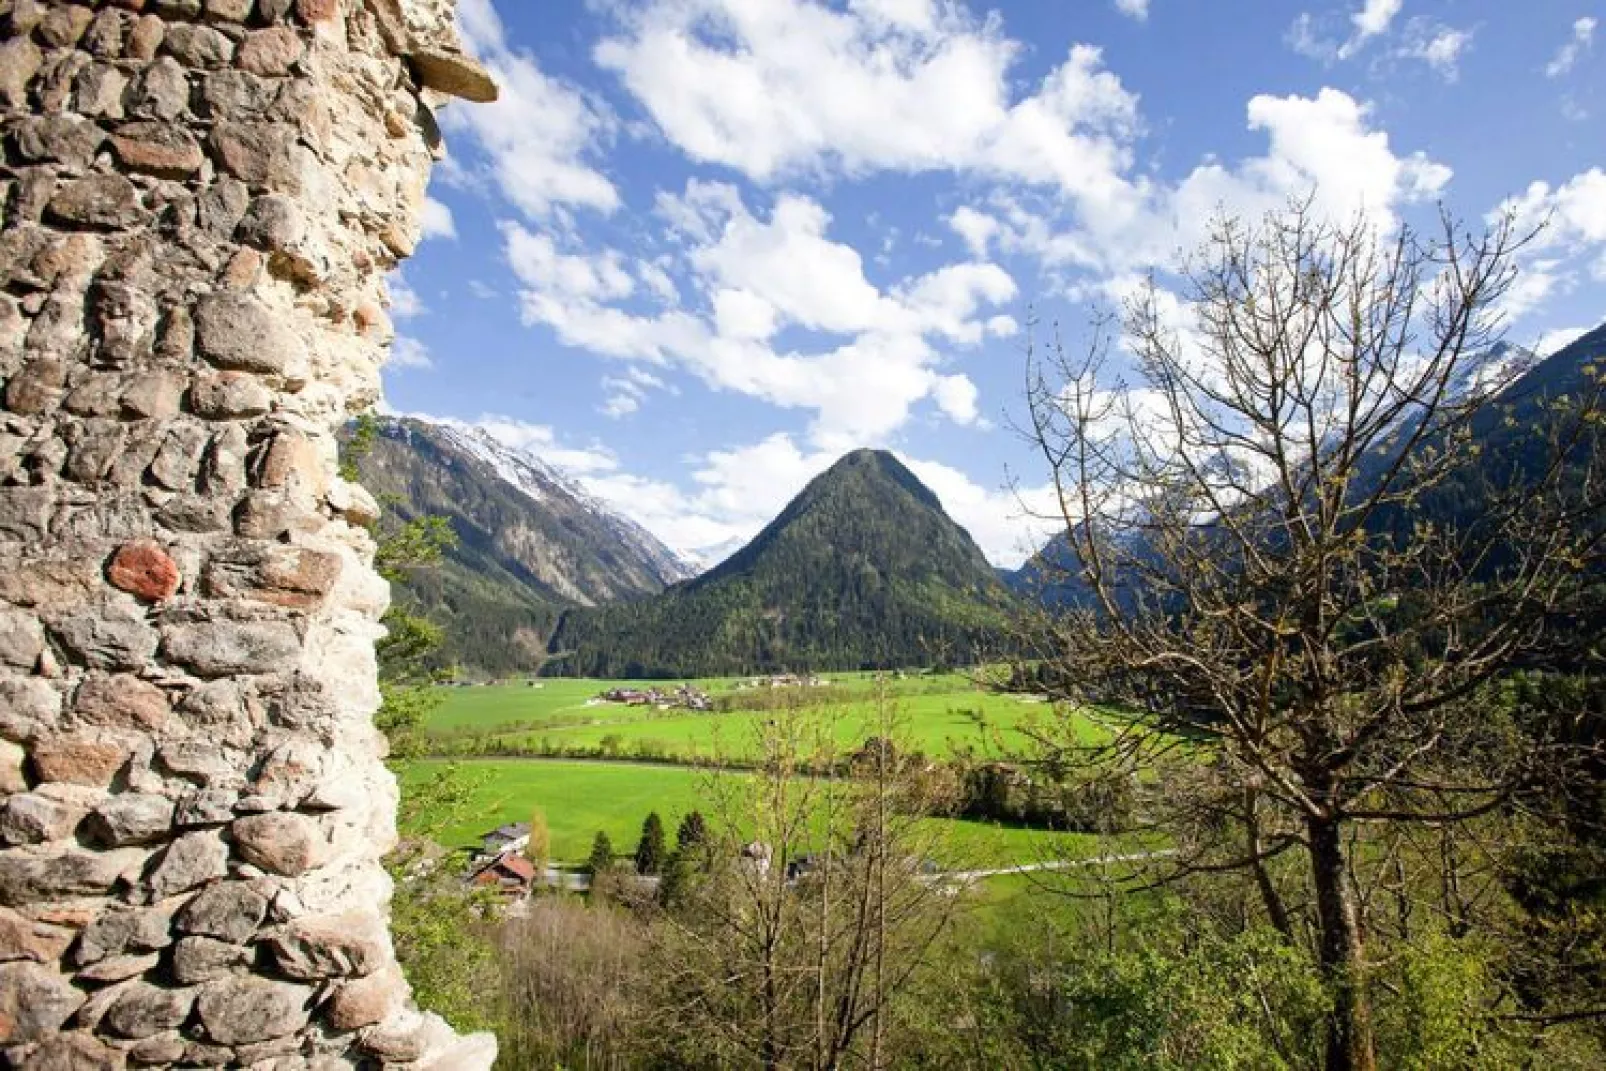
(1136, 9)
(1570, 221)
(1575, 49)
(794, 86)
(875, 352)
(541, 137)
(1324, 147)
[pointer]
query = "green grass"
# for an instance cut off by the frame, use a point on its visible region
(580, 798)
(938, 714)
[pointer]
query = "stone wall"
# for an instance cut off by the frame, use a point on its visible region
(202, 199)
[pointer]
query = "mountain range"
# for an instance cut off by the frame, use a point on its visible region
(863, 568)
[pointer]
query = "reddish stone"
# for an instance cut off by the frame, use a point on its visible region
(78, 759)
(270, 52)
(317, 10)
(121, 701)
(143, 569)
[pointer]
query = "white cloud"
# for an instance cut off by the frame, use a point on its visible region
(408, 352)
(755, 278)
(1440, 47)
(541, 134)
(627, 392)
(543, 441)
(404, 300)
(1570, 221)
(1372, 19)
(1137, 9)
(735, 491)
(1009, 524)
(1324, 147)
(1577, 46)
(1558, 338)
(976, 228)
(794, 86)
(437, 220)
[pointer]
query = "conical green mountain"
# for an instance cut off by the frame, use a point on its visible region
(862, 570)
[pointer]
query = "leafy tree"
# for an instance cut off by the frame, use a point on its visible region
(539, 849)
(601, 859)
(650, 849)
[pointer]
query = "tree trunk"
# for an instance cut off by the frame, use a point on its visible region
(1269, 896)
(1349, 1027)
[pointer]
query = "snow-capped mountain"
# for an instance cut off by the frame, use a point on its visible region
(543, 481)
(530, 542)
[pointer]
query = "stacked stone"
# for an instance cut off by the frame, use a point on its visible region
(201, 199)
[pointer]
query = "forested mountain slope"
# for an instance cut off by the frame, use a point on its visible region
(530, 544)
(862, 569)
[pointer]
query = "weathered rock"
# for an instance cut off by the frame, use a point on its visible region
(144, 1009)
(335, 946)
(196, 45)
(105, 201)
(34, 1002)
(204, 959)
(12, 778)
(454, 74)
(71, 873)
(114, 638)
(238, 332)
(29, 707)
(227, 648)
(29, 818)
(193, 859)
(365, 1001)
(131, 818)
(239, 1011)
(295, 577)
(119, 968)
(81, 758)
(122, 930)
(270, 52)
(22, 938)
(22, 639)
(145, 570)
(201, 200)
(162, 149)
(231, 911)
(280, 842)
(120, 701)
(229, 396)
(73, 1052)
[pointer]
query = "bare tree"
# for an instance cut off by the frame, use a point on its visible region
(1266, 562)
(817, 911)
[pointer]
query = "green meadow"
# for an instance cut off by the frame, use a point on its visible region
(938, 714)
(580, 798)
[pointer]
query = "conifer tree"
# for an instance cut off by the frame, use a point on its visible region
(650, 850)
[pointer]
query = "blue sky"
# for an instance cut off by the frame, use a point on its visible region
(701, 248)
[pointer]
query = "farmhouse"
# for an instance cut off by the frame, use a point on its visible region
(510, 873)
(512, 837)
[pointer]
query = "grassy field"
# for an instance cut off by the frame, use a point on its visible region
(938, 714)
(580, 798)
